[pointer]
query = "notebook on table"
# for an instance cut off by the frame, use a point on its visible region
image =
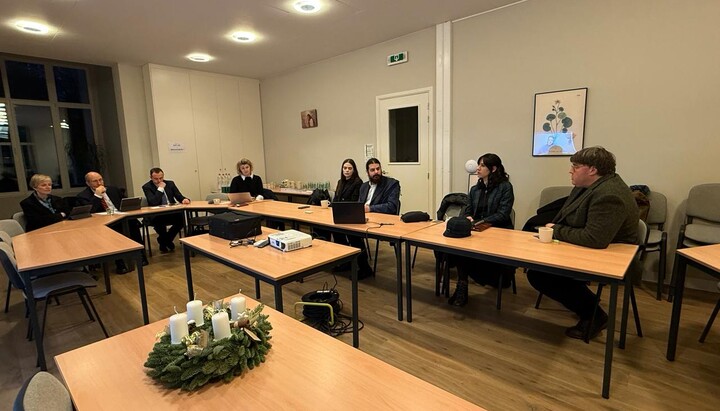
(240, 198)
(345, 212)
(130, 204)
(80, 212)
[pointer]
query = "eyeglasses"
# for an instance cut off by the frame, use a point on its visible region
(576, 166)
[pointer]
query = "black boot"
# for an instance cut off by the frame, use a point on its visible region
(460, 296)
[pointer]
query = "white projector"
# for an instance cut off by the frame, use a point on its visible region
(290, 240)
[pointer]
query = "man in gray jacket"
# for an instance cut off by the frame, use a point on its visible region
(600, 210)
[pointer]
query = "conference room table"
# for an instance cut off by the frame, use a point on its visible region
(381, 227)
(273, 266)
(706, 259)
(522, 249)
(304, 370)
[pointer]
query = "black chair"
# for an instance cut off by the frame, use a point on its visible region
(198, 224)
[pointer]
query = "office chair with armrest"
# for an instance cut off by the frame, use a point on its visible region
(702, 222)
(20, 218)
(657, 237)
(51, 286)
(11, 228)
(43, 392)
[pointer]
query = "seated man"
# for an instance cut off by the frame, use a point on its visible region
(600, 210)
(102, 198)
(159, 192)
(381, 195)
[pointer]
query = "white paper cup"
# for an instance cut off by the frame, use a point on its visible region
(216, 201)
(324, 203)
(546, 234)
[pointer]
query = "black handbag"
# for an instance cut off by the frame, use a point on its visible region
(415, 217)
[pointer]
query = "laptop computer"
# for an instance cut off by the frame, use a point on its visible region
(80, 212)
(239, 198)
(130, 204)
(345, 212)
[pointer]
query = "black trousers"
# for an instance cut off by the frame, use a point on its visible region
(359, 242)
(134, 234)
(160, 223)
(573, 294)
(482, 272)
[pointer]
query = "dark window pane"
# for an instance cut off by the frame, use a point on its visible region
(71, 85)
(37, 142)
(2, 87)
(27, 80)
(404, 141)
(8, 176)
(78, 138)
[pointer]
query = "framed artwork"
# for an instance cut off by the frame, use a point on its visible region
(559, 122)
(308, 118)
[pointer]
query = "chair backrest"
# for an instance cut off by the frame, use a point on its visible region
(658, 209)
(5, 237)
(221, 196)
(550, 194)
(452, 205)
(143, 202)
(643, 233)
(7, 259)
(11, 227)
(20, 218)
(43, 392)
(703, 202)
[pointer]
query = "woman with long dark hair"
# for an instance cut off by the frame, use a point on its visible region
(348, 186)
(491, 203)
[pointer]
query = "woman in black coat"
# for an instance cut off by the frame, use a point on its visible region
(246, 181)
(42, 208)
(348, 186)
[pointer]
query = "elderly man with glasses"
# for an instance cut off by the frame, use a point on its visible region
(600, 210)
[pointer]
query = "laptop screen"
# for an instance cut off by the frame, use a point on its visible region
(348, 213)
(130, 204)
(239, 198)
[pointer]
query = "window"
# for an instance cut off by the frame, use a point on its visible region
(46, 124)
(404, 141)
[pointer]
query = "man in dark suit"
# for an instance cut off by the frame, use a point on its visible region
(381, 195)
(600, 210)
(161, 192)
(102, 198)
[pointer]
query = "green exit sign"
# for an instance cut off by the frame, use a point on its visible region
(397, 58)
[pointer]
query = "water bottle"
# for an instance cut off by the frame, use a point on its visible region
(220, 182)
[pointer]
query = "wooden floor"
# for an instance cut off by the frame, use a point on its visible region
(516, 358)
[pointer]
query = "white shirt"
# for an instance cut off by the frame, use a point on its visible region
(107, 201)
(371, 192)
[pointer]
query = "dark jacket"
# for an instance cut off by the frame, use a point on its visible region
(386, 199)
(253, 185)
(601, 214)
(496, 207)
(87, 196)
(154, 196)
(350, 190)
(38, 216)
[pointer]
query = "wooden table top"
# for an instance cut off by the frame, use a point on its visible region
(707, 255)
(305, 370)
(271, 262)
(522, 246)
(44, 249)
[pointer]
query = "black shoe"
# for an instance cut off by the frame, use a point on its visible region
(171, 246)
(164, 249)
(460, 296)
(145, 261)
(578, 331)
(365, 273)
(121, 270)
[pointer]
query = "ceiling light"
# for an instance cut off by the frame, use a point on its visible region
(243, 36)
(307, 6)
(199, 57)
(32, 27)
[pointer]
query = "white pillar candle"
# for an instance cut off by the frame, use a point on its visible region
(237, 307)
(178, 328)
(221, 325)
(195, 312)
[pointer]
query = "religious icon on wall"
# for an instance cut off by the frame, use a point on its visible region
(308, 118)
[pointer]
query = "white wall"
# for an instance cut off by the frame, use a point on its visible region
(652, 73)
(343, 90)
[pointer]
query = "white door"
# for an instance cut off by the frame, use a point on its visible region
(403, 141)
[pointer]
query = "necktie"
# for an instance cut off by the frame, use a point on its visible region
(164, 199)
(104, 203)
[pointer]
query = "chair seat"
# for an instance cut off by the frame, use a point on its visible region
(654, 238)
(702, 233)
(45, 285)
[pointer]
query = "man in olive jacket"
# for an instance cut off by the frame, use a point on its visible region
(600, 210)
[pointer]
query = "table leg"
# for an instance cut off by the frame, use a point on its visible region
(106, 276)
(609, 340)
(188, 272)
(257, 288)
(35, 325)
(398, 270)
(681, 264)
(355, 314)
(278, 298)
(408, 283)
(624, 320)
(141, 283)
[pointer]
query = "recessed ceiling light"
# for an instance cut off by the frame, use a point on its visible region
(32, 27)
(307, 6)
(243, 36)
(199, 57)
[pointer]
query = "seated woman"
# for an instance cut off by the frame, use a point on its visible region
(347, 189)
(246, 181)
(42, 208)
(491, 202)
